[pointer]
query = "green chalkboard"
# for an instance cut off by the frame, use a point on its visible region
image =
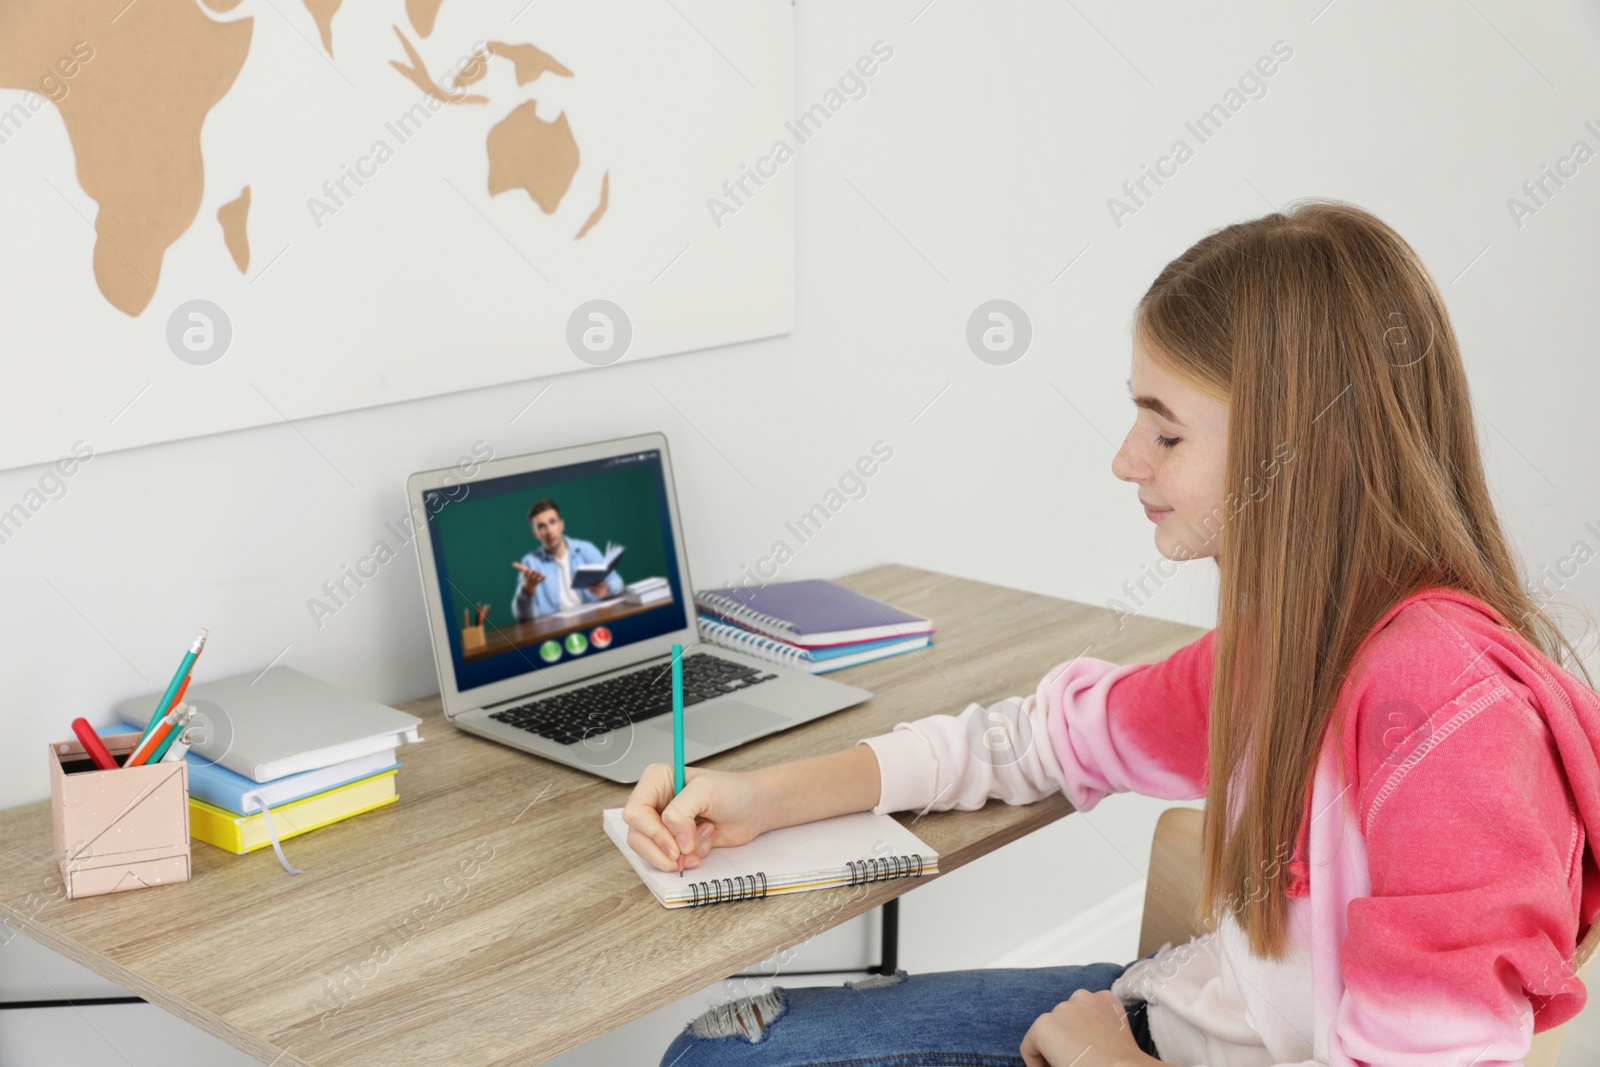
(480, 537)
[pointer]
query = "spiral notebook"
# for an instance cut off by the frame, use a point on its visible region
(842, 851)
(811, 613)
(813, 660)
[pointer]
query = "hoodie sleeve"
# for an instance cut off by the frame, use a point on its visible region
(1464, 947)
(1092, 727)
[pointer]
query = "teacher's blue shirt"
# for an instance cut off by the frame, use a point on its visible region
(546, 597)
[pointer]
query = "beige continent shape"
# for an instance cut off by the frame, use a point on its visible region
(234, 217)
(526, 152)
(417, 74)
(475, 69)
(133, 115)
(322, 11)
(600, 208)
(422, 14)
(529, 60)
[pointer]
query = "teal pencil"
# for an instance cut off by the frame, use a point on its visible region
(172, 687)
(677, 729)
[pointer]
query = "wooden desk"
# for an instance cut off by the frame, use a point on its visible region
(486, 918)
(532, 632)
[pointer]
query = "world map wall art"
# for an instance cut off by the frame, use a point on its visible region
(244, 211)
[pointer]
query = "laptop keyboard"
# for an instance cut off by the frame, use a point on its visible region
(628, 698)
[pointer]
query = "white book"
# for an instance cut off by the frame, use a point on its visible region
(842, 851)
(644, 585)
(267, 724)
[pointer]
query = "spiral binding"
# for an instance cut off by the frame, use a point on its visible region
(719, 890)
(742, 613)
(882, 869)
(751, 886)
(768, 648)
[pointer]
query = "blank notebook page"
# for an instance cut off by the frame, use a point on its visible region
(790, 853)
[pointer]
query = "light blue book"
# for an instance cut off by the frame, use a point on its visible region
(222, 788)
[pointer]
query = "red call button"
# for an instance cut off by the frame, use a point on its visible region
(600, 637)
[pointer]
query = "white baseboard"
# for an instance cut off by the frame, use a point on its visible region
(1107, 932)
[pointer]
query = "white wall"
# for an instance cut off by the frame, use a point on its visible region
(977, 167)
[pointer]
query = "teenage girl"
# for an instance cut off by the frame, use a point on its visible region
(1401, 782)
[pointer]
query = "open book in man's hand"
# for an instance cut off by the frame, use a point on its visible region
(589, 573)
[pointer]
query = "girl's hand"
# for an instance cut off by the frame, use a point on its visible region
(715, 808)
(1085, 1030)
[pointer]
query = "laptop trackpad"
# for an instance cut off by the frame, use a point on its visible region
(722, 725)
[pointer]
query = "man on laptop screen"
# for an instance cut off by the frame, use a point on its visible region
(565, 589)
(545, 586)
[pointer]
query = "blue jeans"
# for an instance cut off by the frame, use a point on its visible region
(972, 1018)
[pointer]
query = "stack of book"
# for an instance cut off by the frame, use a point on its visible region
(812, 625)
(647, 591)
(277, 754)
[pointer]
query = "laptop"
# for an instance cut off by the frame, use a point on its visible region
(579, 671)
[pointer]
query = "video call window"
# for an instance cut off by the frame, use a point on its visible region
(551, 566)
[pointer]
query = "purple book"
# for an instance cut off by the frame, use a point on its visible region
(811, 613)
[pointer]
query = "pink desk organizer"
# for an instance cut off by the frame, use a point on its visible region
(120, 829)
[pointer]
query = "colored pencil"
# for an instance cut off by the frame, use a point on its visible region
(167, 698)
(677, 731)
(144, 751)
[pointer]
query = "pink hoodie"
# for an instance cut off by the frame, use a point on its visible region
(1436, 901)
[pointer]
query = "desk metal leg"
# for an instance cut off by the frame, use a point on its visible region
(889, 948)
(83, 1002)
(888, 951)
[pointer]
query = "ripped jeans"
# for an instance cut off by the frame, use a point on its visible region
(972, 1018)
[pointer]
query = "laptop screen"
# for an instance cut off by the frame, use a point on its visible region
(556, 565)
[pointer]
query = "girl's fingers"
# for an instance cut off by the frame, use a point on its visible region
(641, 814)
(647, 847)
(662, 850)
(667, 825)
(683, 812)
(679, 817)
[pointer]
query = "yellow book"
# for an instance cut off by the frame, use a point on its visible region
(240, 834)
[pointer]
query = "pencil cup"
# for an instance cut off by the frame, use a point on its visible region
(119, 829)
(471, 638)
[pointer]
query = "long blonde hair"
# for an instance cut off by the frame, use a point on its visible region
(1325, 334)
